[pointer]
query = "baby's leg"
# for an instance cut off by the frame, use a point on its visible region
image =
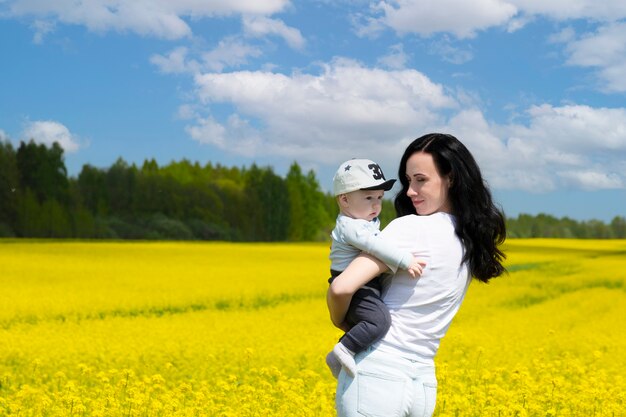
(332, 361)
(369, 320)
(345, 359)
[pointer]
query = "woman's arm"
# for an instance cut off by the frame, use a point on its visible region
(360, 271)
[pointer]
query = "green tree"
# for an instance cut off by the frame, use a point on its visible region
(618, 226)
(43, 178)
(30, 219)
(84, 224)
(313, 213)
(296, 187)
(597, 230)
(92, 190)
(267, 205)
(317, 219)
(155, 193)
(231, 193)
(55, 219)
(184, 172)
(9, 189)
(43, 171)
(121, 181)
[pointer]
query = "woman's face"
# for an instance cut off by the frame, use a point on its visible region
(428, 191)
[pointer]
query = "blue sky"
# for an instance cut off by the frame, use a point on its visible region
(535, 89)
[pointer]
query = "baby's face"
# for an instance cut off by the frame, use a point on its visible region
(364, 204)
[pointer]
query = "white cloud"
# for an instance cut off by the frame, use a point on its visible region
(564, 36)
(3, 136)
(452, 54)
(605, 46)
(606, 10)
(208, 131)
(605, 50)
(230, 52)
(593, 180)
(580, 128)
(158, 18)
(259, 26)
(518, 22)
(396, 58)
(236, 131)
(426, 17)
(367, 26)
(568, 146)
(48, 132)
(175, 62)
(142, 17)
(506, 162)
(350, 110)
(470, 124)
(186, 112)
(41, 28)
(344, 108)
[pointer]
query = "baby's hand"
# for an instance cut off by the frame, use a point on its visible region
(416, 267)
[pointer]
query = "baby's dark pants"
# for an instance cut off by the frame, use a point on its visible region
(367, 316)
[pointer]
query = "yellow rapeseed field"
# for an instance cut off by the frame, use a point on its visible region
(222, 329)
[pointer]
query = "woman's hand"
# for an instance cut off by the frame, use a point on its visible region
(360, 271)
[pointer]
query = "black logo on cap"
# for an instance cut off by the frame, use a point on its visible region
(377, 172)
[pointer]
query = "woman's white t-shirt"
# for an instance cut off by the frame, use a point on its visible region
(422, 309)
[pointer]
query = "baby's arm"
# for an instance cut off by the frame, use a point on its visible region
(362, 269)
(383, 249)
(416, 267)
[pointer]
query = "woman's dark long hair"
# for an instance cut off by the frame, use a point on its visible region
(479, 223)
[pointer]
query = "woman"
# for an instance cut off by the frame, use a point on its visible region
(447, 218)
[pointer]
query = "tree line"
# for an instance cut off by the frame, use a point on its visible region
(188, 201)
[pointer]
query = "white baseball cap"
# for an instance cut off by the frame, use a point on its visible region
(360, 174)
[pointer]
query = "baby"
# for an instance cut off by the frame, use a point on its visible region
(359, 186)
